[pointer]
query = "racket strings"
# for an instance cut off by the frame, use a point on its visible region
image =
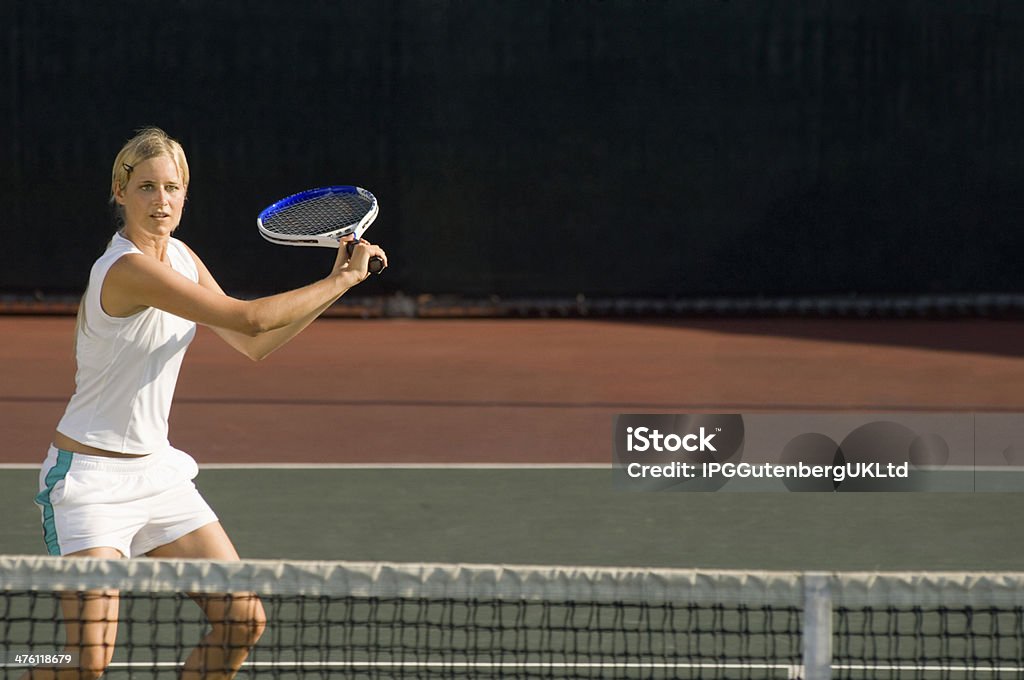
(328, 213)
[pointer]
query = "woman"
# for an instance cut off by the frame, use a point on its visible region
(146, 294)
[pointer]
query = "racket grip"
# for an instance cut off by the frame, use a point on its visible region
(376, 264)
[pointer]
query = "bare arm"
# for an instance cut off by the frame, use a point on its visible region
(253, 327)
(258, 347)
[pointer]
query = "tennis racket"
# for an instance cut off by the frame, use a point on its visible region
(321, 217)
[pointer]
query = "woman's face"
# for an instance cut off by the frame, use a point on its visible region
(154, 196)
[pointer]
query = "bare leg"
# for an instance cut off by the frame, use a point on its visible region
(90, 620)
(237, 619)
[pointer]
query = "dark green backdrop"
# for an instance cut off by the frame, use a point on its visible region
(538, 147)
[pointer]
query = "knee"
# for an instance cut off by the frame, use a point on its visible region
(245, 626)
(257, 622)
(93, 661)
(240, 634)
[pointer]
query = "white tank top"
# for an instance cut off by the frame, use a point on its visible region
(127, 367)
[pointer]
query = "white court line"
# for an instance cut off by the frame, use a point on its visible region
(372, 466)
(791, 670)
(407, 466)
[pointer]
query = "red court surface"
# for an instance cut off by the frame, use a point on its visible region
(520, 391)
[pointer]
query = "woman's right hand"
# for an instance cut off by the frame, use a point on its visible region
(358, 262)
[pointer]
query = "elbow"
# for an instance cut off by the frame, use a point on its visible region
(257, 356)
(251, 323)
(253, 330)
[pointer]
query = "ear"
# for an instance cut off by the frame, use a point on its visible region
(119, 195)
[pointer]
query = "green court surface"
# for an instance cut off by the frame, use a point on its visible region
(574, 516)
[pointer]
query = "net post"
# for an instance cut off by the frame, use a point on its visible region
(817, 630)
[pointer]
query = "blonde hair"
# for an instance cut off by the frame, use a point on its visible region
(149, 142)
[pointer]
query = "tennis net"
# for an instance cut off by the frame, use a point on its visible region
(385, 620)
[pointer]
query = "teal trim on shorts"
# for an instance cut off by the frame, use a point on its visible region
(57, 473)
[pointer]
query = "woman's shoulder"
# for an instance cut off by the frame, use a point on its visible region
(119, 242)
(180, 249)
(184, 258)
(116, 247)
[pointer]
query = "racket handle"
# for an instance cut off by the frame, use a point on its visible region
(376, 264)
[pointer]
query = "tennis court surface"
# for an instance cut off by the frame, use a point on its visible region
(488, 442)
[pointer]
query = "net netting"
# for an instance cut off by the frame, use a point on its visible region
(381, 620)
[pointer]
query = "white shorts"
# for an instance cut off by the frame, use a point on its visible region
(131, 504)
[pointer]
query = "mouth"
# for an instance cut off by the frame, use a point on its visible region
(160, 215)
